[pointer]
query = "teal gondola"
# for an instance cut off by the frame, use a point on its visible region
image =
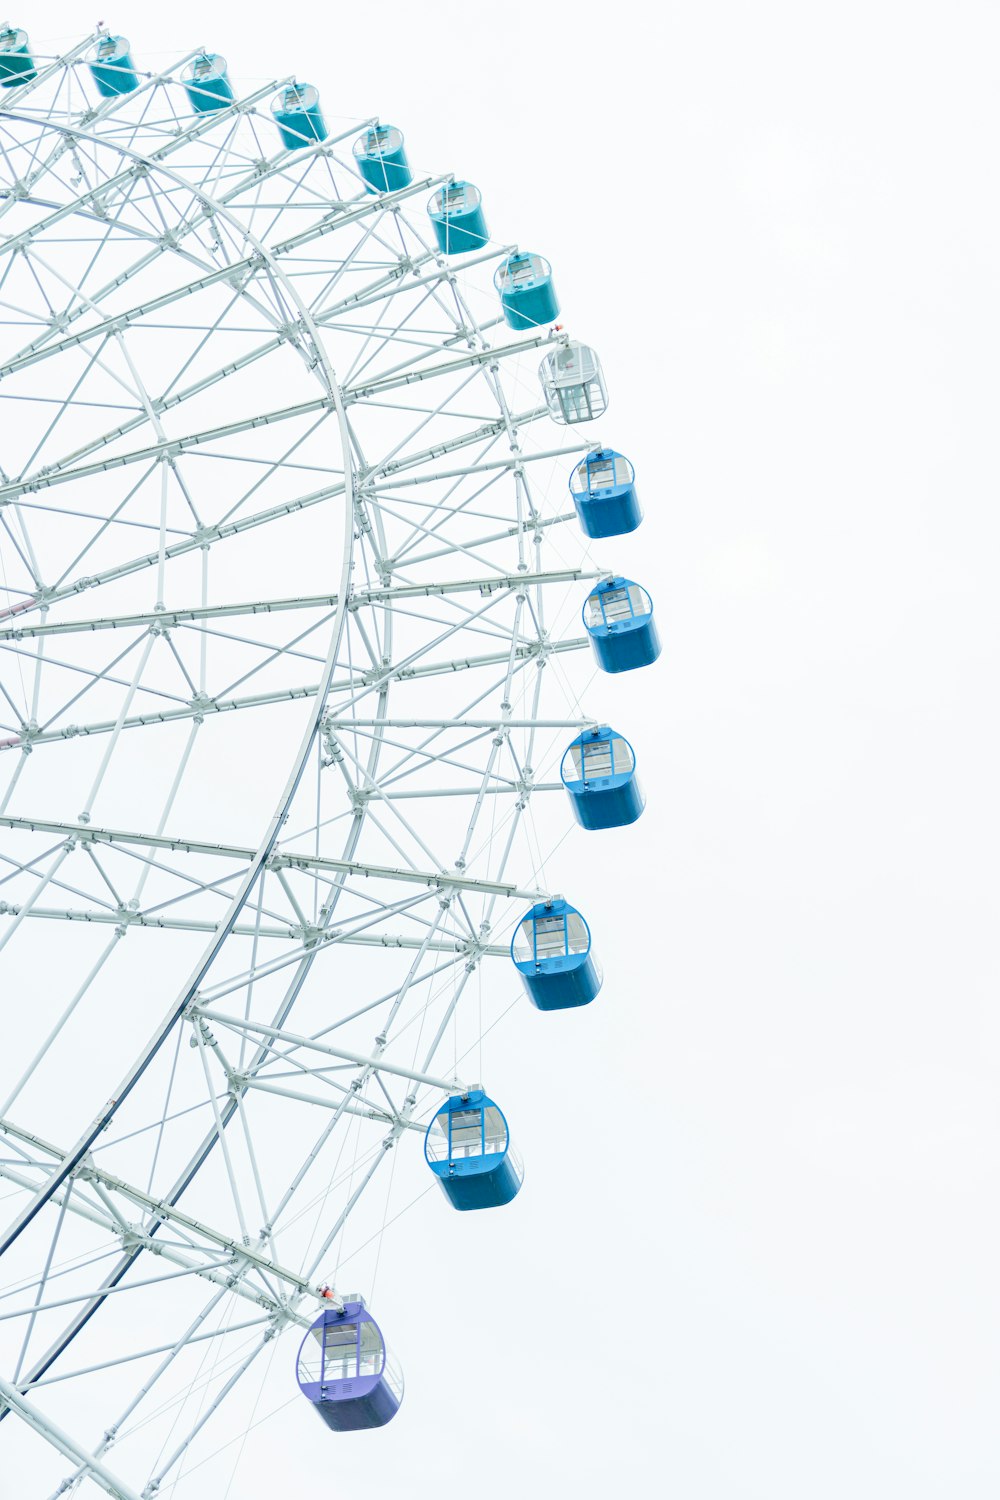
(206, 83)
(297, 114)
(527, 293)
(16, 63)
(112, 67)
(381, 159)
(456, 211)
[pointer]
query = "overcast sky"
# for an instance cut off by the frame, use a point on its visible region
(756, 1254)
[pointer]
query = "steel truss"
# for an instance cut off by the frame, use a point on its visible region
(270, 498)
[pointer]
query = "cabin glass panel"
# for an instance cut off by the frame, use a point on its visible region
(456, 198)
(351, 1350)
(310, 1370)
(596, 475)
(580, 403)
(550, 937)
(371, 1350)
(393, 1377)
(610, 606)
(521, 270)
(380, 140)
(494, 1131)
(473, 1131)
(340, 1351)
(598, 758)
(437, 1139)
(556, 936)
(466, 1132)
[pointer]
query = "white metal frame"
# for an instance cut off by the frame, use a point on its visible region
(127, 218)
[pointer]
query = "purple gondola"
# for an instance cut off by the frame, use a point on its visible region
(345, 1370)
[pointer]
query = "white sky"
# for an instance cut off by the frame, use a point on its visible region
(755, 1255)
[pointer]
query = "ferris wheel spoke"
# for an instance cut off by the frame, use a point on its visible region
(166, 447)
(398, 281)
(193, 1334)
(363, 684)
(65, 1445)
(189, 1336)
(375, 336)
(210, 534)
(377, 1063)
(234, 275)
(279, 858)
(410, 664)
(202, 1243)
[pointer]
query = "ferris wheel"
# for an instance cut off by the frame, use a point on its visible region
(289, 631)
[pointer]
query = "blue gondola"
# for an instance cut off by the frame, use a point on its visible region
(603, 490)
(551, 951)
(527, 295)
(382, 160)
(468, 1149)
(298, 116)
(112, 67)
(206, 83)
(598, 772)
(573, 384)
(16, 63)
(345, 1370)
(618, 617)
(456, 211)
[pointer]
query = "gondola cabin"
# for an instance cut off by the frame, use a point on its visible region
(598, 772)
(527, 293)
(456, 211)
(573, 384)
(206, 83)
(604, 496)
(298, 116)
(381, 159)
(112, 67)
(552, 953)
(618, 618)
(16, 63)
(468, 1149)
(345, 1370)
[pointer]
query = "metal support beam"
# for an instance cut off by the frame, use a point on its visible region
(279, 859)
(290, 933)
(171, 618)
(244, 1256)
(377, 1064)
(228, 1279)
(370, 679)
(66, 1445)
